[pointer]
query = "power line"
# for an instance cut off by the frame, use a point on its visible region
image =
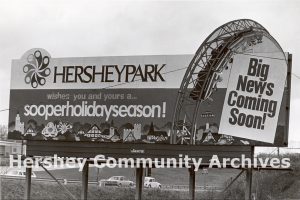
(168, 72)
(111, 86)
(249, 54)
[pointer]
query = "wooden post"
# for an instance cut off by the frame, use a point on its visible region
(248, 184)
(248, 190)
(192, 182)
(288, 99)
(85, 181)
(28, 183)
(139, 183)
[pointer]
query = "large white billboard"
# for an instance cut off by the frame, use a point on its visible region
(253, 97)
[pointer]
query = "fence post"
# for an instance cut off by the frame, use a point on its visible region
(139, 183)
(249, 170)
(85, 180)
(28, 183)
(192, 182)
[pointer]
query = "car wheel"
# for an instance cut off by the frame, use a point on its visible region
(159, 186)
(149, 186)
(119, 185)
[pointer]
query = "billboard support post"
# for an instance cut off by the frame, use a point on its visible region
(288, 104)
(248, 184)
(85, 179)
(28, 183)
(139, 183)
(249, 173)
(192, 182)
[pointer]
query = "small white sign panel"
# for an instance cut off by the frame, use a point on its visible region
(253, 97)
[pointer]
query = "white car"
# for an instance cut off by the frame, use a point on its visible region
(18, 173)
(119, 181)
(150, 182)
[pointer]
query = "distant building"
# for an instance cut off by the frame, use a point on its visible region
(19, 126)
(10, 148)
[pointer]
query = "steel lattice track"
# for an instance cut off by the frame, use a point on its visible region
(211, 57)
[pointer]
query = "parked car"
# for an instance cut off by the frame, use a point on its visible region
(150, 182)
(18, 173)
(119, 181)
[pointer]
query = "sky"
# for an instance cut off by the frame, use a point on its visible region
(89, 28)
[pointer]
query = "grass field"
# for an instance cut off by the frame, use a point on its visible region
(14, 189)
(215, 177)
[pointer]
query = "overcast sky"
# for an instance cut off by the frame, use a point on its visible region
(78, 28)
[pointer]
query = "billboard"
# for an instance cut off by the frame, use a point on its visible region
(131, 99)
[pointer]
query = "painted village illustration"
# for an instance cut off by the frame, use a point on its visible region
(109, 132)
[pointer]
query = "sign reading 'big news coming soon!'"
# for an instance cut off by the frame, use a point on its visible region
(253, 97)
(131, 99)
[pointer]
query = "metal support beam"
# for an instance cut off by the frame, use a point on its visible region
(242, 171)
(192, 182)
(28, 183)
(85, 181)
(139, 183)
(61, 185)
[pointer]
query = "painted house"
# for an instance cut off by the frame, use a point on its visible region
(108, 133)
(156, 136)
(19, 126)
(209, 138)
(94, 132)
(225, 139)
(129, 137)
(30, 131)
(133, 134)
